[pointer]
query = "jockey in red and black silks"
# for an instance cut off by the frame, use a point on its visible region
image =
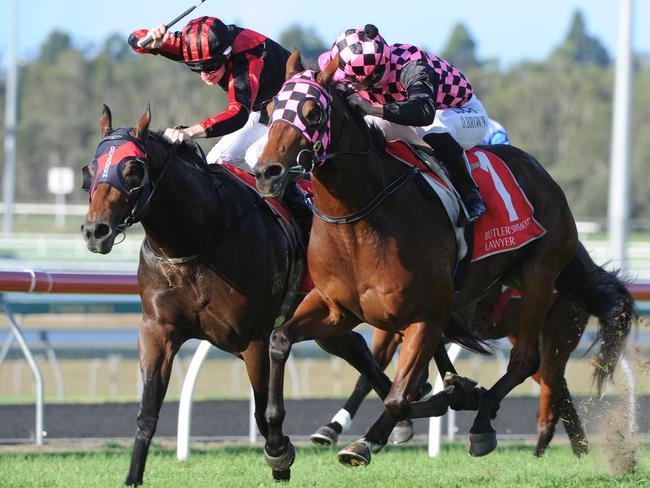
(250, 67)
(411, 95)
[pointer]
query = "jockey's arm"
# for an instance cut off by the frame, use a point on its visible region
(243, 86)
(167, 43)
(419, 109)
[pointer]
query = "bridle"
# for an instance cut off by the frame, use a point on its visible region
(113, 152)
(319, 135)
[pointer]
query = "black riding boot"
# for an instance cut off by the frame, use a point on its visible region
(453, 155)
(300, 209)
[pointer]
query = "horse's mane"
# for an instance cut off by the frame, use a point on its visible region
(369, 132)
(189, 150)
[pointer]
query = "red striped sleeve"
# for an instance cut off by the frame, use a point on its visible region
(170, 49)
(230, 120)
(255, 67)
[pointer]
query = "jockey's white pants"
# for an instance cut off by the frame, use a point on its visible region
(232, 148)
(468, 125)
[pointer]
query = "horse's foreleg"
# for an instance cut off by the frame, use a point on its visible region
(537, 296)
(256, 359)
(156, 350)
(384, 345)
(311, 320)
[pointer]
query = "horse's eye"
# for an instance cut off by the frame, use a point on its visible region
(314, 116)
(133, 174)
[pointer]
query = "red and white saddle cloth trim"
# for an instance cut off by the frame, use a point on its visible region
(508, 223)
(306, 283)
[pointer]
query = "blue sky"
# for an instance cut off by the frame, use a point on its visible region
(511, 30)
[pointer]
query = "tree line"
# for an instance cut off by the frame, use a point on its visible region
(558, 109)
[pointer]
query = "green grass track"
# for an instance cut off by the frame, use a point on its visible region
(512, 465)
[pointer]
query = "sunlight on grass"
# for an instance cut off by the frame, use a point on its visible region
(510, 465)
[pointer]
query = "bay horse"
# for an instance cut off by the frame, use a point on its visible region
(215, 263)
(383, 251)
(493, 317)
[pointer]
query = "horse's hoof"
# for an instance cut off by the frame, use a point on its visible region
(281, 475)
(325, 436)
(356, 454)
(467, 384)
(465, 393)
(402, 433)
(580, 449)
(482, 444)
(284, 461)
(133, 480)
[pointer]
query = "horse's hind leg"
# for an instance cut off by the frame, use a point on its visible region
(564, 326)
(256, 359)
(420, 341)
(313, 320)
(383, 348)
(537, 294)
(156, 350)
(384, 345)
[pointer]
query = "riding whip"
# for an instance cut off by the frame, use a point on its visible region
(148, 39)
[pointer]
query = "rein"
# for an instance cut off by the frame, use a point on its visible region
(374, 203)
(138, 212)
(386, 191)
(288, 109)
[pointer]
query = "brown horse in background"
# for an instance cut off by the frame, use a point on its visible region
(383, 252)
(491, 318)
(215, 263)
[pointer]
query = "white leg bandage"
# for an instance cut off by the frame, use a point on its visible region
(344, 419)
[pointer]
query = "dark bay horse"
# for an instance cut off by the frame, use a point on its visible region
(495, 316)
(215, 263)
(383, 251)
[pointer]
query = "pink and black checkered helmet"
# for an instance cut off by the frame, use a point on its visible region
(364, 55)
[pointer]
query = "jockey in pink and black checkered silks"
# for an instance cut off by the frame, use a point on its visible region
(250, 68)
(411, 95)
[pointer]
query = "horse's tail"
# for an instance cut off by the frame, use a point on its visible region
(604, 295)
(456, 332)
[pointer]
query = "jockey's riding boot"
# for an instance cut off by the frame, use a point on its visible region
(300, 209)
(452, 154)
(467, 189)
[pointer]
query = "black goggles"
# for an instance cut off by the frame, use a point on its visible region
(206, 66)
(211, 64)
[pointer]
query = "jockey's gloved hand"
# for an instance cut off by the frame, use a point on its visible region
(176, 136)
(160, 36)
(365, 106)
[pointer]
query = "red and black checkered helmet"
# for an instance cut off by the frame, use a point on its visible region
(364, 55)
(205, 43)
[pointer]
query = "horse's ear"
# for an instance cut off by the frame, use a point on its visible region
(294, 64)
(141, 130)
(325, 77)
(106, 121)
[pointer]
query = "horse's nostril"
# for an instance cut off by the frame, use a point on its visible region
(101, 231)
(273, 171)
